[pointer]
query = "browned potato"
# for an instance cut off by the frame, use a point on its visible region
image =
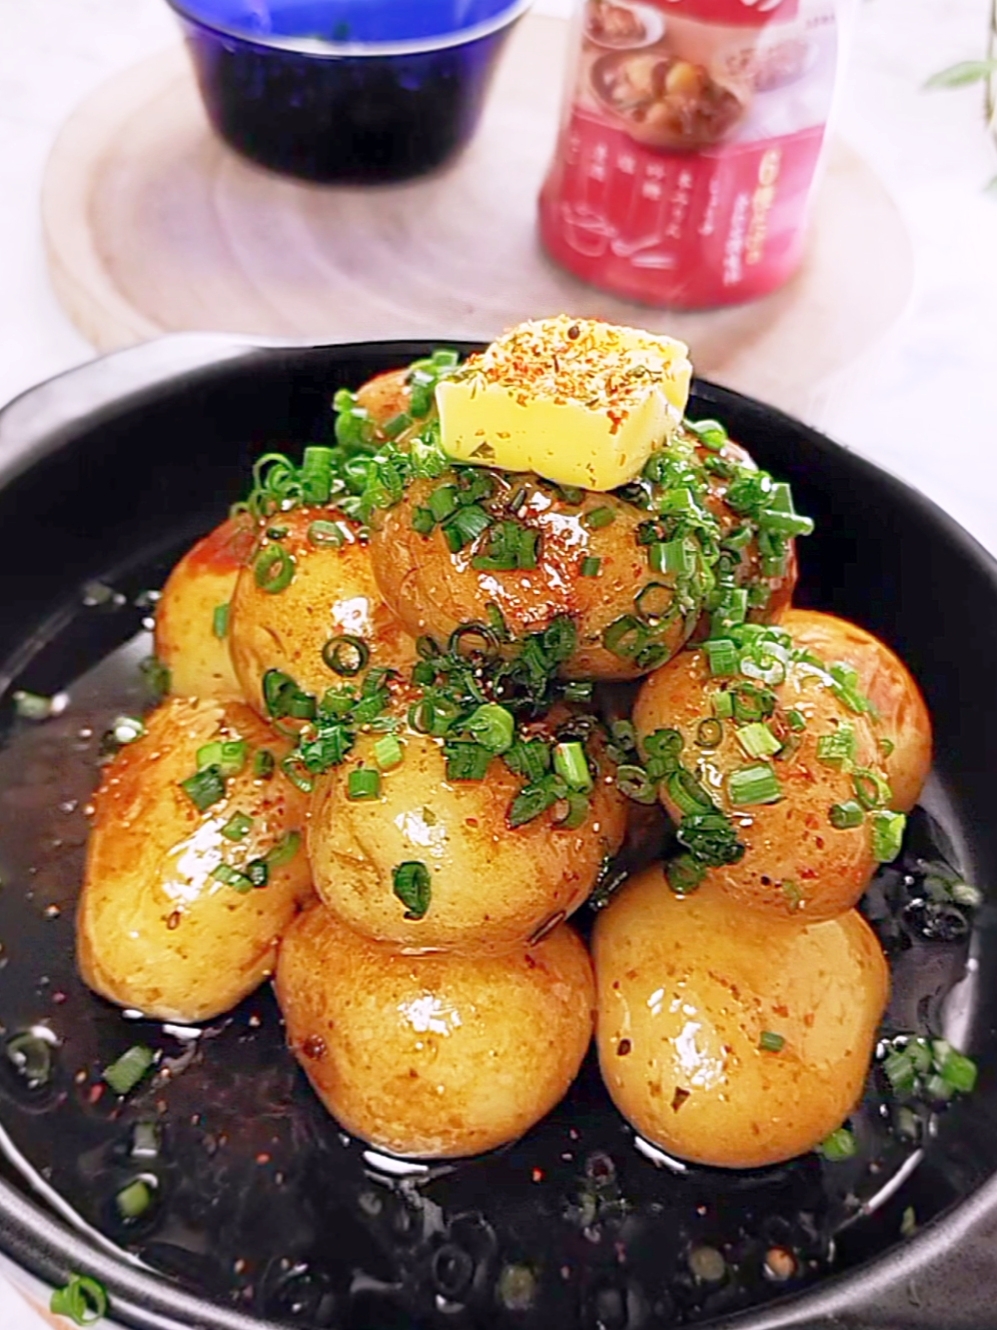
(385, 396)
(903, 717)
(156, 928)
(442, 1055)
(726, 1037)
(434, 591)
(492, 886)
(186, 641)
(331, 594)
(796, 863)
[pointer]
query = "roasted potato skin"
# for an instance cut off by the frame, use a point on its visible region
(185, 640)
(796, 864)
(332, 593)
(903, 716)
(493, 886)
(434, 1056)
(686, 988)
(385, 396)
(155, 930)
(433, 590)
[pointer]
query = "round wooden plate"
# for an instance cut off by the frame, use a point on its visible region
(153, 225)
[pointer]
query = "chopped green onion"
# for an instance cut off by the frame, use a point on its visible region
(467, 761)
(710, 733)
(654, 601)
(958, 1071)
(229, 755)
(324, 533)
(219, 621)
(847, 815)
(258, 872)
(796, 719)
(757, 739)
(771, 1042)
(590, 566)
(684, 874)
(283, 697)
(710, 433)
(33, 706)
(240, 882)
(723, 706)
(636, 784)
(274, 569)
(315, 474)
(363, 783)
(413, 887)
(443, 501)
(237, 827)
(156, 676)
(31, 1057)
(838, 1146)
(84, 1300)
(205, 788)
(677, 557)
(493, 727)
(578, 811)
(423, 521)
(263, 764)
(124, 1074)
(133, 1201)
(751, 702)
(710, 838)
(465, 526)
(511, 545)
(597, 518)
(292, 769)
(625, 637)
(284, 851)
(346, 655)
(900, 1072)
(723, 657)
(578, 690)
(887, 835)
(871, 790)
(396, 425)
(572, 766)
(757, 784)
(686, 793)
(388, 752)
(835, 749)
(886, 747)
(663, 748)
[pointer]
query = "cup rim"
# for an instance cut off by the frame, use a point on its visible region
(331, 50)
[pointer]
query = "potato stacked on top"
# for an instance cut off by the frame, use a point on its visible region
(420, 628)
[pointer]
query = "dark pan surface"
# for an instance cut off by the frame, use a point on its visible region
(262, 1204)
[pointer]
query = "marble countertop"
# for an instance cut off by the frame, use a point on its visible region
(928, 409)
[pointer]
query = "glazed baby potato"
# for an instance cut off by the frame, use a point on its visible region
(189, 640)
(304, 591)
(797, 862)
(726, 1037)
(162, 926)
(490, 885)
(385, 396)
(902, 716)
(619, 604)
(440, 1055)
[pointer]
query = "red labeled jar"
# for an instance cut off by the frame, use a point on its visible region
(689, 144)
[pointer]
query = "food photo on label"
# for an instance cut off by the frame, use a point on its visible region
(473, 825)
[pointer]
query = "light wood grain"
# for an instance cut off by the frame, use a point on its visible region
(152, 225)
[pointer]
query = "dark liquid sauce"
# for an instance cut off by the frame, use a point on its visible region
(261, 1202)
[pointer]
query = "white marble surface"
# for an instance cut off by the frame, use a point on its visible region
(926, 407)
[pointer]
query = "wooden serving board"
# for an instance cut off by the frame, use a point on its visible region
(152, 225)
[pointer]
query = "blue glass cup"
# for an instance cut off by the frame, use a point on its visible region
(346, 91)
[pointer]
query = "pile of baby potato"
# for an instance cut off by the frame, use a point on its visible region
(383, 775)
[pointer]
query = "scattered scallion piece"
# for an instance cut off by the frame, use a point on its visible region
(709, 733)
(219, 621)
(205, 788)
(597, 518)
(346, 655)
(83, 1300)
(846, 815)
(325, 533)
(413, 887)
(838, 748)
(388, 752)
(363, 783)
(134, 1200)
(31, 1057)
(722, 655)
(273, 569)
(887, 834)
(228, 755)
(871, 790)
(770, 1042)
(316, 474)
(237, 827)
(284, 851)
(756, 784)
(263, 764)
(796, 719)
(590, 566)
(839, 1145)
(124, 1074)
(231, 877)
(572, 766)
(493, 727)
(757, 739)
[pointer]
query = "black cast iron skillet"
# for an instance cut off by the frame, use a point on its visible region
(266, 1215)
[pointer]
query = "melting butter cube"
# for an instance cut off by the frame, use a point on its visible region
(578, 401)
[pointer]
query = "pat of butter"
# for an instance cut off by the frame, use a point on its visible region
(577, 401)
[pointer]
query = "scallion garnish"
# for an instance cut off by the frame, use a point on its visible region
(273, 569)
(511, 545)
(237, 827)
(231, 877)
(572, 766)
(124, 1074)
(31, 1057)
(388, 752)
(263, 764)
(757, 739)
(755, 784)
(83, 1300)
(625, 636)
(493, 727)
(687, 793)
(710, 733)
(284, 851)
(204, 788)
(324, 533)
(871, 790)
(465, 526)
(838, 1146)
(796, 719)
(219, 621)
(597, 518)
(770, 1042)
(283, 697)
(134, 1200)
(589, 566)
(228, 755)
(838, 748)
(346, 655)
(722, 655)
(316, 474)
(887, 834)
(846, 815)
(363, 783)
(413, 887)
